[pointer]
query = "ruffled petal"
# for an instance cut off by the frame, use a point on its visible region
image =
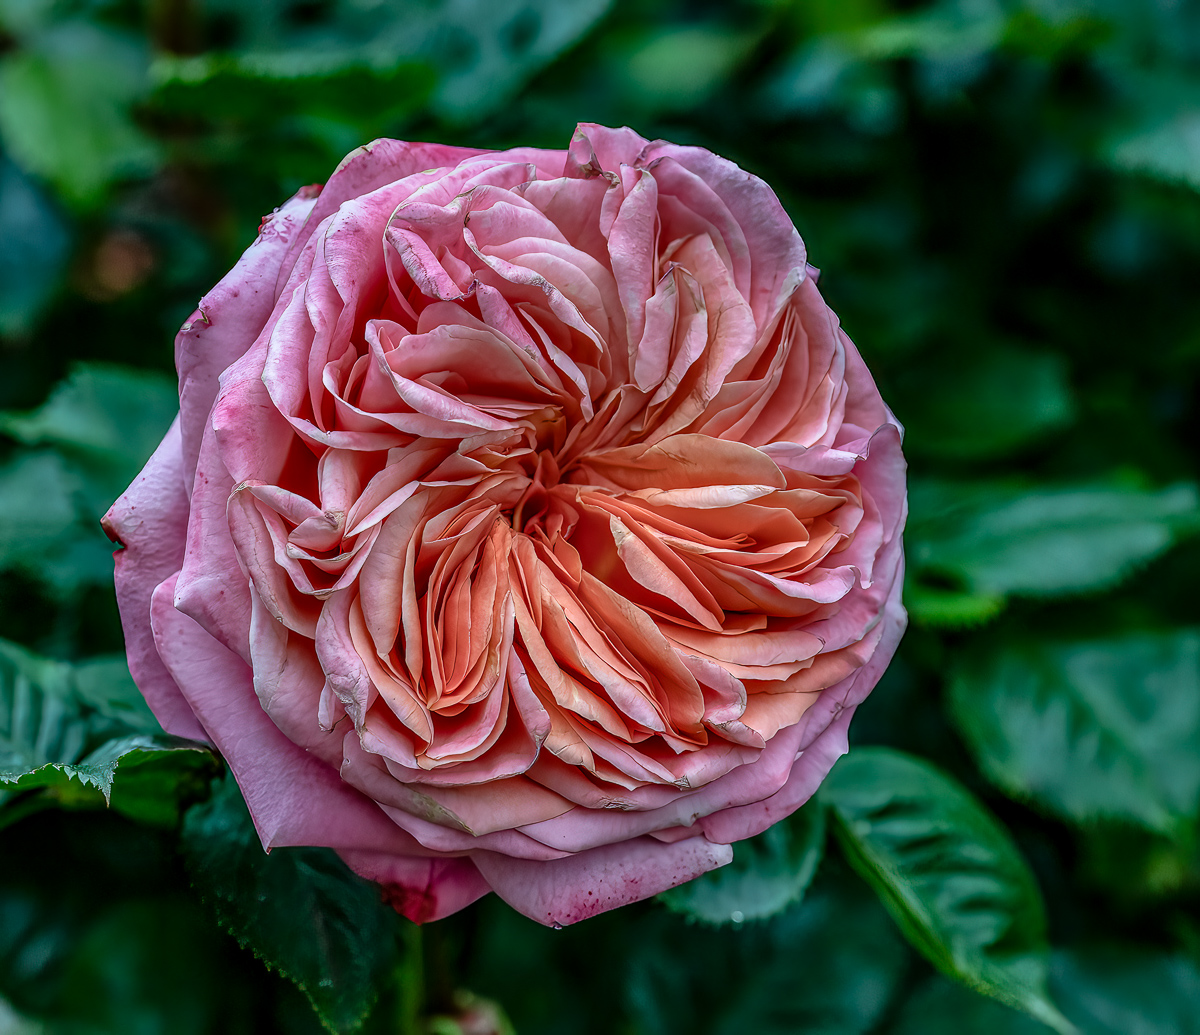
(544, 526)
(230, 317)
(293, 797)
(150, 522)
(422, 889)
(565, 891)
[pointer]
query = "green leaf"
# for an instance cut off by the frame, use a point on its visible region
(20, 17)
(954, 31)
(262, 87)
(485, 51)
(1134, 867)
(829, 966)
(944, 608)
(1122, 990)
(990, 540)
(481, 51)
(1161, 138)
(12, 1023)
(108, 419)
(63, 554)
(964, 31)
(1087, 729)
(29, 530)
(40, 717)
(987, 405)
(64, 109)
(1114, 990)
(948, 873)
(96, 430)
(300, 910)
(159, 780)
(768, 873)
(1169, 150)
(65, 731)
(678, 67)
(942, 1007)
(823, 77)
(103, 683)
(46, 529)
(157, 775)
(36, 243)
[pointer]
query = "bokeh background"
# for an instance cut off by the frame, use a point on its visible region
(1002, 198)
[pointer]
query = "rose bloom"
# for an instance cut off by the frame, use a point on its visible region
(529, 523)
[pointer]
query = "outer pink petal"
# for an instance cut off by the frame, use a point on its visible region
(608, 148)
(563, 891)
(294, 798)
(421, 889)
(150, 519)
(582, 828)
(209, 589)
(368, 168)
(864, 407)
(229, 318)
(826, 724)
(776, 252)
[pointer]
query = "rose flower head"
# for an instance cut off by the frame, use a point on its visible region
(529, 524)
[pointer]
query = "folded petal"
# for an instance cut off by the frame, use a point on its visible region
(421, 888)
(150, 522)
(530, 523)
(294, 798)
(564, 891)
(230, 317)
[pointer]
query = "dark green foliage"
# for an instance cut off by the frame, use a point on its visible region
(79, 736)
(65, 96)
(299, 910)
(1114, 990)
(1088, 729)
(768, 873)
(941, 1007)
(1104, 991)
(992, 403)
(82, 446)
(947, 872)
(991, 540)
(1002, 197)
(99, 935)
(831, 965)
(108, 419)
(35, 250)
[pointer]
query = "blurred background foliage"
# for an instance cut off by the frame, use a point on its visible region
(1003, 197)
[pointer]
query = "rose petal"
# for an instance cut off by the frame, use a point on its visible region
(423, 889)
(230, 316)
(544, 526)
(294, 798)
(150, 520)
(565, 891)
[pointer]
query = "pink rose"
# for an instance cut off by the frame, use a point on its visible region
(529, 524)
